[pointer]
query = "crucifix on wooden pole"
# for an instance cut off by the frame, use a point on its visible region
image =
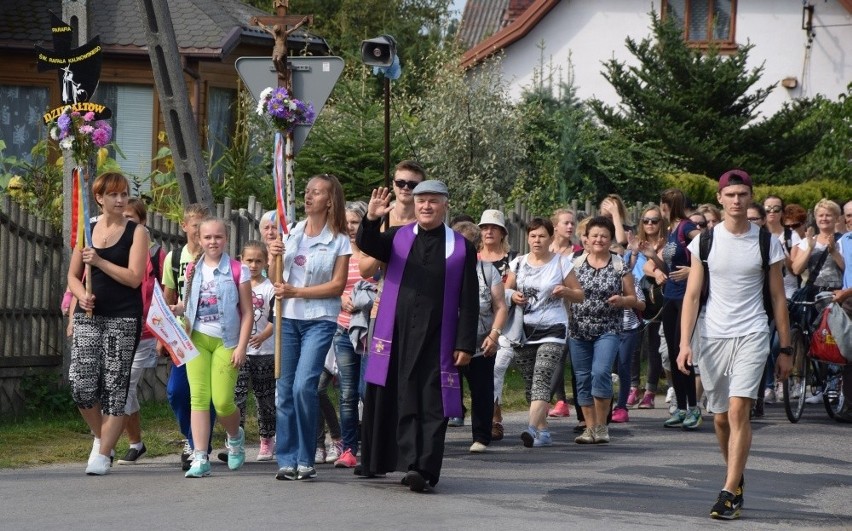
(280, 27)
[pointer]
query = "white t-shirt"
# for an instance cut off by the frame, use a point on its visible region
(295, 308)
(829, 275)
(537, 283)
(735, 303)
(791, 281)
(260, 297)
(207, 317)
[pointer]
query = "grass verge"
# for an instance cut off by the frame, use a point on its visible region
(63, 437)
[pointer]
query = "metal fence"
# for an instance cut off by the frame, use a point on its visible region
(32, 282)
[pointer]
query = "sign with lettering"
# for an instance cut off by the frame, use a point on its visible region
(79, 69)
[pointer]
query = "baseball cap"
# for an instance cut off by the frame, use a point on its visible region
(735, 176)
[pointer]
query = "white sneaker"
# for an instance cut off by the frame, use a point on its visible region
(477, 448)
(670, 395)
(96, 451)
(98, 466)
(814, 399)
(769, 396)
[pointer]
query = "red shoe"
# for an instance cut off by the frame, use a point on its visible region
(647, 401)
(347, 460)
(619, 415)
(633, 398)
(561, 409)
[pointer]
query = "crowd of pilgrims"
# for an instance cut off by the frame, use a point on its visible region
(630, 275)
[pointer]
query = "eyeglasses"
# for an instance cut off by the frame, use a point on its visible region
(754, 220)
(401, 183)
(650, 221)
(773, 209)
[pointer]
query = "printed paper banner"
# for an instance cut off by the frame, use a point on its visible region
(163, 324)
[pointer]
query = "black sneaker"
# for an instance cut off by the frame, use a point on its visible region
(726, 507)
(223, 456)
(738, 495)
(186, 456)
(132, 455)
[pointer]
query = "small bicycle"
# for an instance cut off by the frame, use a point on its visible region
(810, 374)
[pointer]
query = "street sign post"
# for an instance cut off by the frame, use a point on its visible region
(312, 78)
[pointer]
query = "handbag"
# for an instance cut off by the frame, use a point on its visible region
(514, 329)
(840, 325)
(824, 345)
(654, 300)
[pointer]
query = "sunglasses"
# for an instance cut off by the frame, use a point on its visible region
(754, 220)
(773, 209)
(793, 225)
(701, 224)
(650, 221)
(400, 183)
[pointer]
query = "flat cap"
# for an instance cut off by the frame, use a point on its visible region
(431, 187)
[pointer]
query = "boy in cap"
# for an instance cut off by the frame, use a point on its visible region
(735, 338)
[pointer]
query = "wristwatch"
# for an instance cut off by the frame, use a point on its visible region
(786, 350)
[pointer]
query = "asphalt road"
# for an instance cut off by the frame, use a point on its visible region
(799, 476)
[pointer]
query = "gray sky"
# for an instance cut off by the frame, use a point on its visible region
(458, 5)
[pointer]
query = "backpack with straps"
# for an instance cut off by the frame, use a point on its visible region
(705, 243)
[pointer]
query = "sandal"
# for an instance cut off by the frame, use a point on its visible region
(496, 431)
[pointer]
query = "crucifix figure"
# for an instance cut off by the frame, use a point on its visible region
(277, 26)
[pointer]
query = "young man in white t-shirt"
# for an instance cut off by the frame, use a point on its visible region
(735, 338)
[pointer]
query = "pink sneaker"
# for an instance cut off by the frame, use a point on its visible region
(619, 414)
(647, 401)
(633, 398)
(265, 452)
(561, 409)
(347, 460)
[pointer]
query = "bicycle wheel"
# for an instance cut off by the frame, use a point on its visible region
(794, 386)
(832, 397)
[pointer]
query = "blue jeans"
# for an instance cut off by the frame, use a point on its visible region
(592, 361)
(304, 346)
(177, 392)
(349, 368)
(626, 347)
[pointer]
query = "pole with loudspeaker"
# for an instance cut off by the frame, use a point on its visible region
(380, 53)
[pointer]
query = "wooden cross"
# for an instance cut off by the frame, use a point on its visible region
(280, 27)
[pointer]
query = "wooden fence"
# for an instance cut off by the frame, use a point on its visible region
(32, 282)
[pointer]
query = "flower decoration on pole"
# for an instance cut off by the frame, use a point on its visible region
(284, 111)
(80, 133)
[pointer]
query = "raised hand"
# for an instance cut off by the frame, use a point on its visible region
(379, 204)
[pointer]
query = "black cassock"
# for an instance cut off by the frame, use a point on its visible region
(403, 424)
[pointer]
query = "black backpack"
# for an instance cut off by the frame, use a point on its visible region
(705, 243)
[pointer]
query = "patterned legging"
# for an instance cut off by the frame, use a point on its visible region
(102, 352)
(260, 371)
(537, 363)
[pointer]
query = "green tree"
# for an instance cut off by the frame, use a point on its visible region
(693, 105)
(469, 134)
(571, 157)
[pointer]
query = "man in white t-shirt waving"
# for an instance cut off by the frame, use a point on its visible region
(735, 338)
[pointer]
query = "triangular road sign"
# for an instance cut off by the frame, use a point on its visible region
(313, 79)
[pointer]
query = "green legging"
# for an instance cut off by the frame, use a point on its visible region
(211, 376)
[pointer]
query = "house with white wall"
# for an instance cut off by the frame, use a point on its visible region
(804, 46)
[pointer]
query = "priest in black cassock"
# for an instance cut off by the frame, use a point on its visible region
(424, 330)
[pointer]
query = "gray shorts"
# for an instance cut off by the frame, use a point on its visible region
(732, 367)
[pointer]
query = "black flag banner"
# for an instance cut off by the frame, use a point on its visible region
(79, 69)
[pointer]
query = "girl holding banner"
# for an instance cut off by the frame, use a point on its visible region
(108, 317)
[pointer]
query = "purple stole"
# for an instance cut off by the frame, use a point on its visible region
(378, 358)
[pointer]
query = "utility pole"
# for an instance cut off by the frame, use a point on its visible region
(190, 170)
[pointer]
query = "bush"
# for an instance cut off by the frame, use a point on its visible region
(46, 395)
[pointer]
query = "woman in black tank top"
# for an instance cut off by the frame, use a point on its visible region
(107, 322)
